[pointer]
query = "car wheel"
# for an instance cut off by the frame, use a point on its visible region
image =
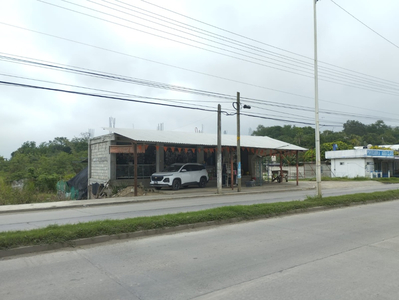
(158, 188)
(202, 182)
(176, 184)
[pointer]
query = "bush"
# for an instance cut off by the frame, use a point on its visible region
(9, 195)
(47, 183)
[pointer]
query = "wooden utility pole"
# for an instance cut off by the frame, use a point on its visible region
(219, 152)
(238, 145)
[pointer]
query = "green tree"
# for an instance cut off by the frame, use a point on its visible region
(355, 127)
(378, 127)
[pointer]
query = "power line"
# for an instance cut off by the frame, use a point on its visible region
(173, 66)
(114, 77)
(143, 102)
(247, 58)
(364, 24)
(220, 37)
(257, 41)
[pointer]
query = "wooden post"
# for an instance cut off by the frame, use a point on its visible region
(135, 169)
(231, 170)
(297, 164)
(281, 167)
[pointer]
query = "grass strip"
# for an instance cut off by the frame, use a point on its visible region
(67, 233)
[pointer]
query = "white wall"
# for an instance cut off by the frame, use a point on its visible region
(352, 167)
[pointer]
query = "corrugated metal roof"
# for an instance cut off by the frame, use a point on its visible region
(202, 139)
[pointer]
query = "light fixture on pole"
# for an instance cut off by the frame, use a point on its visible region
(317, 130)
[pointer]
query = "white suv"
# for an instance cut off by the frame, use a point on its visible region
(180, 175)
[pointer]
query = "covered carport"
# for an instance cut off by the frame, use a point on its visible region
(127, 156)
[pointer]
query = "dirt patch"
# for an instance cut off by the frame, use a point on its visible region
(129, 192)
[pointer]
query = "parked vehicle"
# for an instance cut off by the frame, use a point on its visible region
(180, 175)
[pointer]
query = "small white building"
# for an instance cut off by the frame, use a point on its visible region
(363, 163)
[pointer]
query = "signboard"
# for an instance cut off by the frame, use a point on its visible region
(124, 149)
(380, 153)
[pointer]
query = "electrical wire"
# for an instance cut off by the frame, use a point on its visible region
(245, 45)
(257, 41)
(246, 58)
(177, 67)
(364, 24)
(229, 98)
(144, 102)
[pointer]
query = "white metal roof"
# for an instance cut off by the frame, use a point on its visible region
(202, 139)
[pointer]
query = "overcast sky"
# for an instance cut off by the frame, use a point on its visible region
(147, 51)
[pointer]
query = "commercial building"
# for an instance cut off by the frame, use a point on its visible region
(363, 163)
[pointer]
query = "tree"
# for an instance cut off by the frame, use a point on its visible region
(26, 148)
(378, 127)
(355, 127)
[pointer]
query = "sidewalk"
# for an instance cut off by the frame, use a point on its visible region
(162, 195)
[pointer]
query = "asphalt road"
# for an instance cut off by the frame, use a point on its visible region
(348, 253)
(37, 219)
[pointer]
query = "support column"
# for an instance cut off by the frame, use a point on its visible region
(159, 156)
(231, 170)
(89, 187)
(135, 168)
(297, 167)
(281, 166)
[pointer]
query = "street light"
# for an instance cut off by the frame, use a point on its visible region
(237, 107)
(317, 133)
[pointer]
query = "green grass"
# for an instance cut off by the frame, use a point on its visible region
(68, 233)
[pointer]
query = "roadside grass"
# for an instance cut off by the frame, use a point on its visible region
(66, 234)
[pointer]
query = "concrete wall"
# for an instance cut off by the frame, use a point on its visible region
(309, 170)
(100, 160)
(352, 167)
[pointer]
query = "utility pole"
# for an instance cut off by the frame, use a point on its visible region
(317, 130)
(219, 152)
(238, 145)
